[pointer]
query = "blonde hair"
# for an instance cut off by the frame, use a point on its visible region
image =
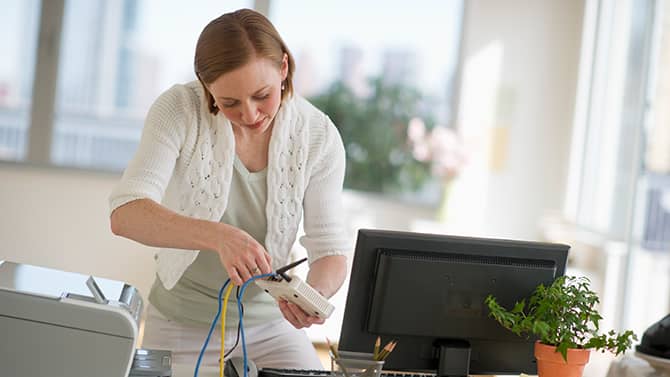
(231, 41)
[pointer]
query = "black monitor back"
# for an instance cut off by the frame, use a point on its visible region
(423, 288)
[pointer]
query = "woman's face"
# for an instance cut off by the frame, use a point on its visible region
(250, 95)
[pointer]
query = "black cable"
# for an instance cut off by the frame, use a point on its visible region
(237, 339)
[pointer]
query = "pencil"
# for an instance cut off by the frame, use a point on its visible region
(387, 350)
(332, 348)
(392, 348)
(384, 352)
(375, 353)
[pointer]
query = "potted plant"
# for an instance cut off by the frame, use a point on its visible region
(564, 317)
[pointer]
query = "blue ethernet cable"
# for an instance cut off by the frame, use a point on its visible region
(211, 329)
(241, 323)
(239, 309)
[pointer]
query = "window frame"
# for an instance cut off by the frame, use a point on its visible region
(42, 115)
(599, 222)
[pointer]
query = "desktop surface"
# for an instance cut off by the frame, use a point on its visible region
(181, 370)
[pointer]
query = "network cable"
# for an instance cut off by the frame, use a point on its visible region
(240, 328)
(239, 310)
(211, 329)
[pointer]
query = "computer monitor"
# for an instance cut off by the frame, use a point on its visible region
(427, 291)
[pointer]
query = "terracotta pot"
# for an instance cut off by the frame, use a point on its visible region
(551, 364)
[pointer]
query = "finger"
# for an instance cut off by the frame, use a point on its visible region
(252, 266)
(288, 314)
(268, 260)
(263, 265)
(298, 318)
(258, 257)
(298, 313)
(255, 271)
(314, 320)
(245, 273)
(309, 320)
(235, 276)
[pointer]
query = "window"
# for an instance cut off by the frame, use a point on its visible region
(620, 167)
(115, 57)
(373, 66)
(19, 25)
(611, 121)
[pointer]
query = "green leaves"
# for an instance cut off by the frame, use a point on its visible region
(374, 132)
(564, 315)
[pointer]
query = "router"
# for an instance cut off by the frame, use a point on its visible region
(293, 289)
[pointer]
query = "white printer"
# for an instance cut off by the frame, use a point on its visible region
(57, 323)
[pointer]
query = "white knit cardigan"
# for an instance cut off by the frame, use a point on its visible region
(185, 161)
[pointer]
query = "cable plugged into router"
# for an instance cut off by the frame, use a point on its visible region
(281, 286)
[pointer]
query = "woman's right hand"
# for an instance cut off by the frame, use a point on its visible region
(241, 255)
(150, 223)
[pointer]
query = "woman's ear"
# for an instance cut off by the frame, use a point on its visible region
(284, 67)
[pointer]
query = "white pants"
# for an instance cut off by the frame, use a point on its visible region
(276, 344)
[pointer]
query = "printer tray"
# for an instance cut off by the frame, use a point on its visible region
(151, 363)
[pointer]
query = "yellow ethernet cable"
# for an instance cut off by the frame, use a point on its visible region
(223, 328)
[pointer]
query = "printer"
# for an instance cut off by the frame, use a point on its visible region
(57, 323)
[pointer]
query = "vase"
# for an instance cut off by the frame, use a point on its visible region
(443, 210)
(550, 363)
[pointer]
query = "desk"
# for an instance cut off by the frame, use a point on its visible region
(626, 366)
(180, 370)
(187, 371)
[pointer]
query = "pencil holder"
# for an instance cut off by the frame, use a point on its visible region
(354, 364)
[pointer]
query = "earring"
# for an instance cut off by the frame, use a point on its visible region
(282, 86)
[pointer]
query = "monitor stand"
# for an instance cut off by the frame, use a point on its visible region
(454, 358)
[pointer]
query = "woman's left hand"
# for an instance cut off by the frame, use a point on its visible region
(326, 275)
(297, 317)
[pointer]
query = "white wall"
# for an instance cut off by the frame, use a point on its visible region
(520, 64)
(58, 218)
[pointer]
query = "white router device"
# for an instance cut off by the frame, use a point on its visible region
(293, 289)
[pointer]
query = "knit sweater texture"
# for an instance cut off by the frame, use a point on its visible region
(185, 161)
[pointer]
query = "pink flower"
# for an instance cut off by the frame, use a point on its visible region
(416, 130)
(442, 147)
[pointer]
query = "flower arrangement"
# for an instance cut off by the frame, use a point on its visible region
(443, 148)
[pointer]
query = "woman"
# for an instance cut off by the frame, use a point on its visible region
(226, 169)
